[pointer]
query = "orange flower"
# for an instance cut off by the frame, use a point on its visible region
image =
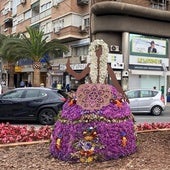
(118, 103)
(71, 102)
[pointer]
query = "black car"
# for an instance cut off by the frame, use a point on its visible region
(31, 103)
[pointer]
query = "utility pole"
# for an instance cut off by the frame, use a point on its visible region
(165, 81)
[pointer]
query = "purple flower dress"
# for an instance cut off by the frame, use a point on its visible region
(95, 125)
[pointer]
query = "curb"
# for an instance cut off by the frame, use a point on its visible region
(23, 143)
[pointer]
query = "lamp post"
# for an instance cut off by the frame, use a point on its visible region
(165, 81)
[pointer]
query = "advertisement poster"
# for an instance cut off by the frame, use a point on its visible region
(148, 46)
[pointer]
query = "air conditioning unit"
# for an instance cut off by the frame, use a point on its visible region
(117, 65)
(83, 58)
(125, 74)
(114, 48)
(84, 29)
(57, 30)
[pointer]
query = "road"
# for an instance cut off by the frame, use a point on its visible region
(139, 118)
(147, 118)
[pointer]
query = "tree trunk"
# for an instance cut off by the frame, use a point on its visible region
(11, 76)
(36, 68)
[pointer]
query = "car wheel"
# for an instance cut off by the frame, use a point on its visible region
(156, 110)
(46, 116)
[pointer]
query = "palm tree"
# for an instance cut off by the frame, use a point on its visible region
(8, 57)
(34, 47)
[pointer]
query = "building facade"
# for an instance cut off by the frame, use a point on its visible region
(127, 26)
(131, 26)
(66, 20)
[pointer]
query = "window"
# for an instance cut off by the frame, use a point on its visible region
(13, 94)
(46, 6)
(159, 4)
(15, 22)
(58, 25)
(81, 50)
(27, 14)
(32, 93)
(46, 28)
(133, 94)
(20, 18)
(145, 93)
(86, 22)
(56, 2)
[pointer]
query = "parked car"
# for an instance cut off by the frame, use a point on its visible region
(31, 103)
(146, 101)
(62, 92)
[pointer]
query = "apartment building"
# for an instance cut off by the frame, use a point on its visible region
(66, 20)
(131, 27)
(127, 26)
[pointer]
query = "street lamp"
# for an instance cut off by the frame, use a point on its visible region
(165, 80)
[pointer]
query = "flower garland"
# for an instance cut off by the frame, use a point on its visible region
(92, 117)
(92, 58)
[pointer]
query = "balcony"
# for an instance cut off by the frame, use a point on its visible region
(41, 16)
(33, 1)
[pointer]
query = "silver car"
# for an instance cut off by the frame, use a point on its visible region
(146, 101)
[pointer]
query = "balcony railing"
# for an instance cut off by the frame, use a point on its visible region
(14, 29)
(39, 17)
(33, 1)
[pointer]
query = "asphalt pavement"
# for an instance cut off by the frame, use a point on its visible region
(148, 118)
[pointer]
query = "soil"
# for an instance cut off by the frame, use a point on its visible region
(153, 153)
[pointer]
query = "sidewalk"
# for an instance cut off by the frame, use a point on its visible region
(167, 103)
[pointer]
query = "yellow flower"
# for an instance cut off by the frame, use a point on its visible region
(89, 159)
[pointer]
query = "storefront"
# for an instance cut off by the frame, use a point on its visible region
(68, 79)
(55, 74)
(147, 69)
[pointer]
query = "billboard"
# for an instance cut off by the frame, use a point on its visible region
(148, 46)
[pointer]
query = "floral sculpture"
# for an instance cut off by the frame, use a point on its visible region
(96, 123)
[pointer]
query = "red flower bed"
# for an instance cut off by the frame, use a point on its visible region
(152, 126)
(12, 133)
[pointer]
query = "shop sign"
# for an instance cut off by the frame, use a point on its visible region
(150, 61)
(18, 69)
(73, 66)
